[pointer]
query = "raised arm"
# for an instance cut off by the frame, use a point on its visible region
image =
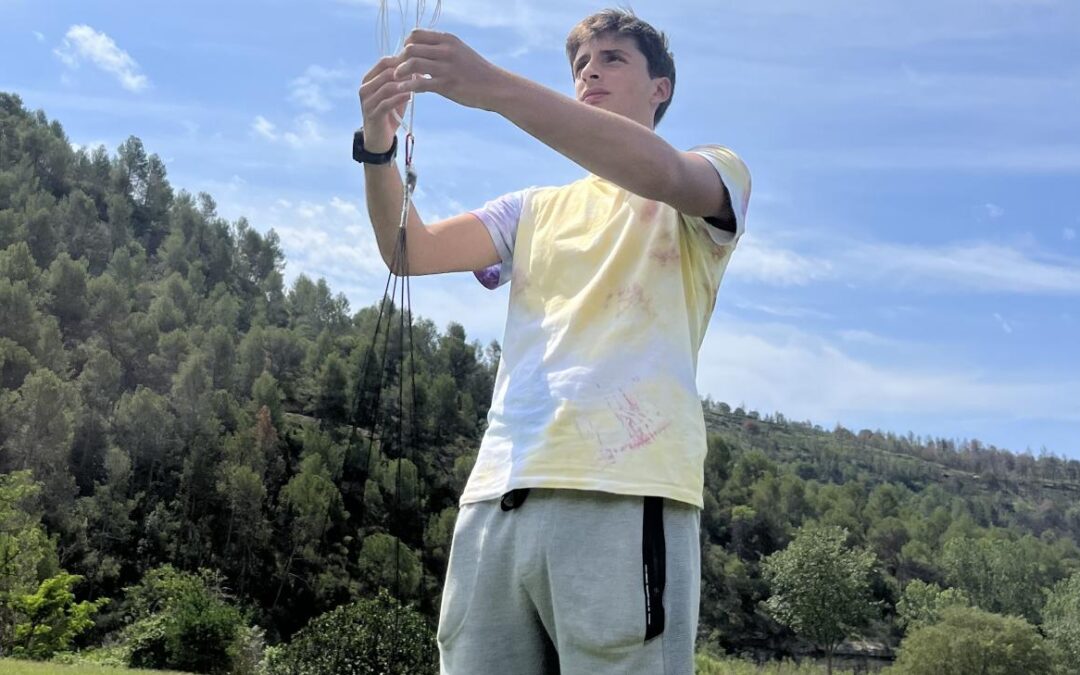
(458, 244)
(605, 143)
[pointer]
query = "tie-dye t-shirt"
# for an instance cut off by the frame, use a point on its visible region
(610, 296)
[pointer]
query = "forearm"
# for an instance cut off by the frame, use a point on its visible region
(385, 192)
(604, 143)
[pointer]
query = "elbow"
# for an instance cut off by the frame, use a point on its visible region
(393, 264)
(402, 268)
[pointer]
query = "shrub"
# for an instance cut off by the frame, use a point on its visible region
(969, 641)
(369, 636)
(50, 617)
(247, 653)
(921, 603)
(1062, 620)
(184, 622)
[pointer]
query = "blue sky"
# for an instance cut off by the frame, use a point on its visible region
(912, 259)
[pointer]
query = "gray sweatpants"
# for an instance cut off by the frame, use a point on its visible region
(566, 582)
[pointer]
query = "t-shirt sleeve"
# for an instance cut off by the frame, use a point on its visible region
(736, 178)
(500, 216)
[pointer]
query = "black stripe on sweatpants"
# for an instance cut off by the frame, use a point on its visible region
(653, 556)
(513, 499)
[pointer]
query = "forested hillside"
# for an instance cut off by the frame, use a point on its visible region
(180, 482)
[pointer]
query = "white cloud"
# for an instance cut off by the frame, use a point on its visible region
(89, 146)
(994, 211)
(858, 336)
(309, 211)
(122, 107)
(264, 128)
(317, 86)
(967, 267)
(1005, 325)
(39, 36)
(1009, 156)
(781, 311)
(327, 236)
(1068, 234)
(321, 237)
(306, 132)
(776, 367)
(758, 261)
(981, 267)
(83, 43)
(347, 209)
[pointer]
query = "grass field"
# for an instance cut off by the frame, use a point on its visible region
(17, 667)
(705, 666)
(710, 666)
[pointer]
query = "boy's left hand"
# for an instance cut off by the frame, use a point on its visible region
(442, 63)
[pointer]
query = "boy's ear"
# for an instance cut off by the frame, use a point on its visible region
(661, 90)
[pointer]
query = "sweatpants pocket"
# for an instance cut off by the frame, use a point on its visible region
(608, 579)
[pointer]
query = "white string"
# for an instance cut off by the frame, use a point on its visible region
(419, 19)
(401, 254)
(408, 116)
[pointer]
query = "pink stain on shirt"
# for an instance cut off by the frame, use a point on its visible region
(640, 427)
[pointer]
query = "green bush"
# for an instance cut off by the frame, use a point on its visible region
(111, 656)
(184, 622)
(921, 604)
(369, 636)
(969, 641)
(1062, 621)
(50, 618)
(247, 653)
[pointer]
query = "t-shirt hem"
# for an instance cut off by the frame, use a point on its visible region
(656, 490)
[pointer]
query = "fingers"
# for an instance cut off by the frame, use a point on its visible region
(424, 51)
(417, 85)
(370, 86)
(385, 106)
(385, 63)
(418, 66)
(415, 59)
(375, 105)
(425, 57)
(428, 37)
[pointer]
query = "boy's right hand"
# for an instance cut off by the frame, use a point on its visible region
(379, 98)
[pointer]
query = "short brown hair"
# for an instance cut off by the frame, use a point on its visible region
(623, 23)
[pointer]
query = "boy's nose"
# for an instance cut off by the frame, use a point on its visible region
(590, 72)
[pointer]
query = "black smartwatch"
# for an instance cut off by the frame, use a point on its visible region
(364, 157)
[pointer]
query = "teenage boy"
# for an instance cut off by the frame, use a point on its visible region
(595, 416)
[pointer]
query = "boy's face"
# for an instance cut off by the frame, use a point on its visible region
(610, 72)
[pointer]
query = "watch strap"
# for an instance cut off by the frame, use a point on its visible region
(362, 155)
